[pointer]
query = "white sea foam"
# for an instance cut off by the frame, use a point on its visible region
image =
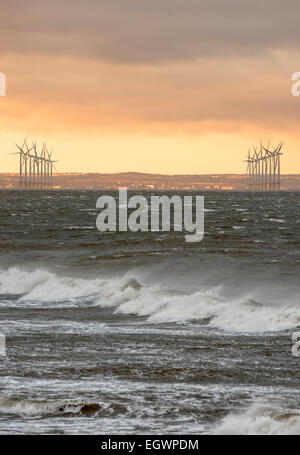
(10, 405)
(237, 315)
(276, 220)
(159, 305)
(45, 286)
(31, 407)
(261, 418)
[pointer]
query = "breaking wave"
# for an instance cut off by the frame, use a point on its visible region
(261, 419)
(34, 408)
(45, 286)
(128, 296)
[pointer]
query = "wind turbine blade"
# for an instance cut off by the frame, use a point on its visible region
(21, 150)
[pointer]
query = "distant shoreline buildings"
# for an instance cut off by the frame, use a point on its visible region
(141, 181)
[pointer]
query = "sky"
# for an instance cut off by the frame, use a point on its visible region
(160, 86)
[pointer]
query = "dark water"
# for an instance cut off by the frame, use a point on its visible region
(142, 332)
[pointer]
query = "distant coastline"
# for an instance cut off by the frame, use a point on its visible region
(144, 181)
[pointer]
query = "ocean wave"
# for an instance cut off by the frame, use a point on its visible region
(47, 407)
(236, 315)
(261, 419)
(44, 408)
(46, 286)
(158, 304)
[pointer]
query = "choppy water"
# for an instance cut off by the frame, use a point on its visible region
(142, 332)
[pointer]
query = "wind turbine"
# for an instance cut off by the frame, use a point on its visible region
(21, 153)
(255, 159)
(43, 164)
(274, 162)
(249, 169)
(48, 167)
(261, 165)
(51, 166)
(277, 153)
(36, 165)
(24, 155)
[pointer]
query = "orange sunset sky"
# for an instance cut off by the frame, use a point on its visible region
(162, 86)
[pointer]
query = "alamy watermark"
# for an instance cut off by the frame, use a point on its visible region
(296, 345)
(296, 85)
(183, 213)
(2, 345)
(2, 84)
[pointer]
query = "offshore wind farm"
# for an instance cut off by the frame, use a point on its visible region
(263, 166)
(35, 168)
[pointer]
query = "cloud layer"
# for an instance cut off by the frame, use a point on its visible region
(143, 31)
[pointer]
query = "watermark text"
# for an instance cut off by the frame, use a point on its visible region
(2, 84)
(2, 345)
(163, 214)
(296, 85)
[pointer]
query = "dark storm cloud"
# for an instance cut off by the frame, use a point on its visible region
(148, 31)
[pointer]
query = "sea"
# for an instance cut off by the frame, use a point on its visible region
(143, 332)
